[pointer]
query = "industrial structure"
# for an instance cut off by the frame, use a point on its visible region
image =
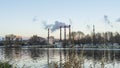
(63, 42)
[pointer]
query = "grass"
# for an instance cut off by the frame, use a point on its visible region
(5, 65)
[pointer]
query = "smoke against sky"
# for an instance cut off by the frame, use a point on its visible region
(54, 26)
(46, 26)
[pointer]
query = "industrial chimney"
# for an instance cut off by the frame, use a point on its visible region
(48, 34)
(65, 36)
(93, 34)
(60, 33)
(70, 34)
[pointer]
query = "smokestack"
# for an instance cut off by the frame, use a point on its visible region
(93, 34)
(48, 34)
(70, 33)
(65, 35)
(60, 33)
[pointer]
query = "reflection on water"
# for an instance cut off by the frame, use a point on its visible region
(42, 57)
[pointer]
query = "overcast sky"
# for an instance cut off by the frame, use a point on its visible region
(25, 17)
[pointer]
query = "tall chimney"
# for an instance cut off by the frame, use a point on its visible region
(60, 33)
(48, 35)
(65, 36)
(70, 34)
(93, 34)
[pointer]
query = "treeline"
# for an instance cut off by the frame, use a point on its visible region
(95, 38)
(76, 38)
(12, 39)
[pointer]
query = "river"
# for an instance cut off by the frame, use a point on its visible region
(30, 57)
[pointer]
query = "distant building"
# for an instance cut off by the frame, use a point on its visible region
(36, 40)
(51, 40)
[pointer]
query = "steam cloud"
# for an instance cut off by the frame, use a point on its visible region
(55, 26)
(46, 26)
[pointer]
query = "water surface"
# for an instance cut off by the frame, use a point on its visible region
(25, 57)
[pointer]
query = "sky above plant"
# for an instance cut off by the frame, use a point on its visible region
(28, 17)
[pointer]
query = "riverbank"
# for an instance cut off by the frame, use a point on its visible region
(85, 46)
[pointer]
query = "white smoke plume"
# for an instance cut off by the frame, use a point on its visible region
(46, 26)
(55, 26)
